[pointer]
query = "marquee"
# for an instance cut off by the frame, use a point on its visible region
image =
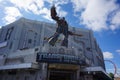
(59, 58)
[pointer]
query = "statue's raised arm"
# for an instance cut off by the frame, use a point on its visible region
(54, 13)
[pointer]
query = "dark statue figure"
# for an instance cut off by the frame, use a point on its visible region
(61, 28)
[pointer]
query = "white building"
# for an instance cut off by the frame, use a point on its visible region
(26, 55)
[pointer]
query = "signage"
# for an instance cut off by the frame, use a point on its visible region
(59, 58)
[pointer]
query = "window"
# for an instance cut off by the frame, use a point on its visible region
(9, 32)
(35, 37)
(30, 41)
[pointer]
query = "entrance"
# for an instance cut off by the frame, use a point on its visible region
(61, 75)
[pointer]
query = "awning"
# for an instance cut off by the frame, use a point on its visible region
(97, 72)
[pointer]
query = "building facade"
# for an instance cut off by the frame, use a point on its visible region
(26, 55)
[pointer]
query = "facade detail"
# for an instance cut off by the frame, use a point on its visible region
(25, 53)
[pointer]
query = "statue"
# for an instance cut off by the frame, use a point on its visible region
(62, 28)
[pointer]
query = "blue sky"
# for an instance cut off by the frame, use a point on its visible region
(101, 16)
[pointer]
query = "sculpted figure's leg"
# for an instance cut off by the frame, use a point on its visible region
(65, 41)
(53, 39)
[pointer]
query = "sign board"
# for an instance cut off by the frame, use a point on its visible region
(59, 58)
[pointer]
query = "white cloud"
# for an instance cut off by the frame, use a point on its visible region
(38, 7)
(1, 0)
(95, 13)
(78, 5)
(118, 51)
(60, 12)
(115, 21)
(22, 4)
(107, 55)
(34, 6)
(91, 13)
(11, 14)
(57, 2)
(0, 26)
(46, 13)
(29, 5)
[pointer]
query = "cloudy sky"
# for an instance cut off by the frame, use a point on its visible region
(101, 16)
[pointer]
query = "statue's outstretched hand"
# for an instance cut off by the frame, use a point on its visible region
(53, 7)
(54, 13)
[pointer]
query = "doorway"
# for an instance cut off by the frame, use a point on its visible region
(61, 75)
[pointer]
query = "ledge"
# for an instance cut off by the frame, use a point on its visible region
(20, 66)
